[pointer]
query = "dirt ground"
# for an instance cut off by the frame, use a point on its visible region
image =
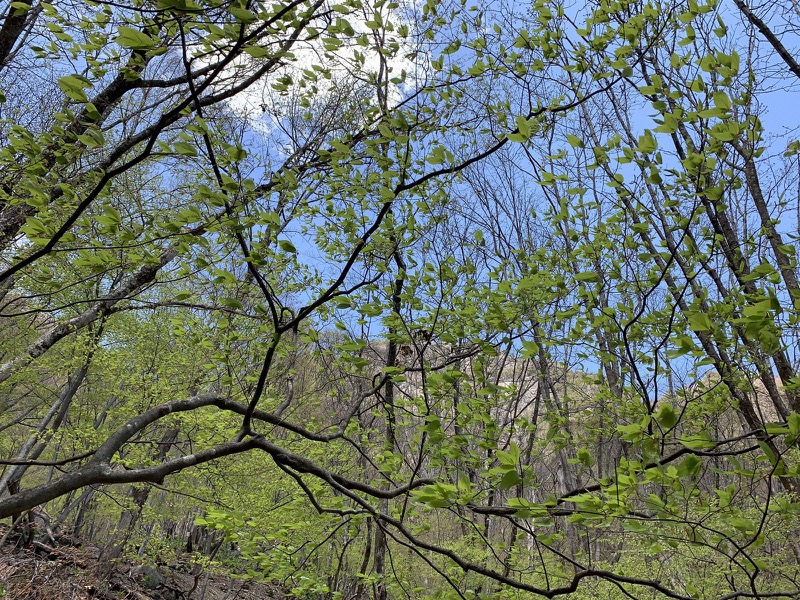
(44, 572)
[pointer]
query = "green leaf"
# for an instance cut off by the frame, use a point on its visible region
(73, 86)
(690, 466)
(647, 142)
(587, 276)
(438, 155)
(524, 127)
(185, 149)
(110, 217)
(722, 101)
(530, 349)
(794, 423)
(509, 480)
(666, 416)
(242, 14)
(699, 322)
(685, 345)
(287, 246)
(725, 132)
(632, 432)
(670, 124)
(20, 8)
(232, 303)
(742, 524)
(257, 51)
(93, 138)
(768, 452)
(574, 141)
(775, 429)
(515, 137)
(698, 441)
(135, 39)
(504, 458)
(585, 457)
(185, 6)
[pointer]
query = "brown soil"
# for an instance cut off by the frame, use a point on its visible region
(44, 572)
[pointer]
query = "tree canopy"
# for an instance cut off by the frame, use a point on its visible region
(429, 300)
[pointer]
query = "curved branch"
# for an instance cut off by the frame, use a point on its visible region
(141, 277)
(776, 44)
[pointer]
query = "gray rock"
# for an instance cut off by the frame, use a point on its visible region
(148, 577)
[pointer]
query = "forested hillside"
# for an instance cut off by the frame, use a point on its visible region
(382, 300)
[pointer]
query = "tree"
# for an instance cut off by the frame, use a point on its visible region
(479, 304)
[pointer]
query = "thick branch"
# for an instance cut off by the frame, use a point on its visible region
(142, 276)
(13, 25)
(793, 65)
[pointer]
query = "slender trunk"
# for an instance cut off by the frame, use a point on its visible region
(138, 496)
(32, 450)
(361, 587)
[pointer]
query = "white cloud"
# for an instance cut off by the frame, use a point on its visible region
(322, 78)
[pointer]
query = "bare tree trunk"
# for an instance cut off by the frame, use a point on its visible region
(138, 496)
(379, 564)
(361, 587)
(36, 443)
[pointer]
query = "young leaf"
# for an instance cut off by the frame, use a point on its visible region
(135, 39)
(73, 86)
(287, 246)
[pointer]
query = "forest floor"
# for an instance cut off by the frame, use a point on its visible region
(44, 572)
